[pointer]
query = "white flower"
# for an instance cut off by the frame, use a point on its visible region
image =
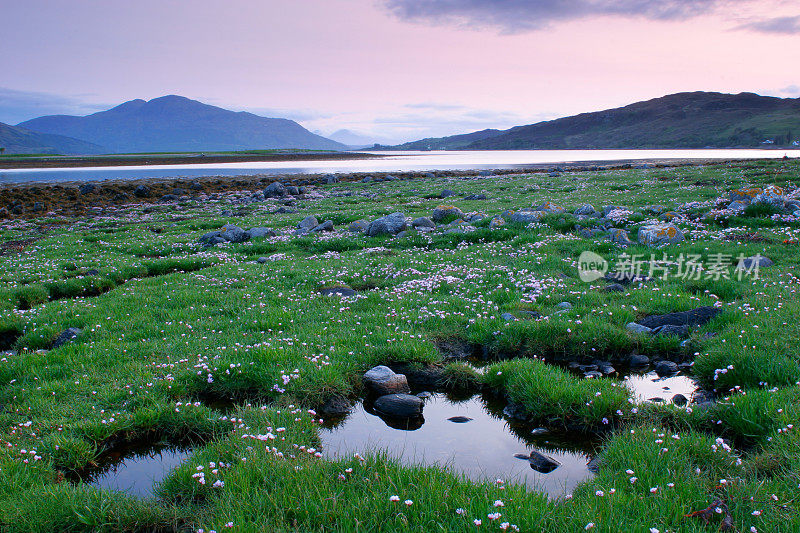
(408, 502)
(394, 498)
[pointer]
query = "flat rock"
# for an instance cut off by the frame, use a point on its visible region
(399, 405)
(388, 225)
(383, 380)
(695, 317)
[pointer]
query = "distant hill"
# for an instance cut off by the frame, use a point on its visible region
(18, 140)
(175, 123)
(683, 120)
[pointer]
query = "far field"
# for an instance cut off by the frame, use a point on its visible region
(233, 350)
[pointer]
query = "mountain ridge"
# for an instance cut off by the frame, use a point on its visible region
(16, 140)
(177, 123)
(682, 120)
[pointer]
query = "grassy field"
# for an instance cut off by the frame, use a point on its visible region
(170, 329)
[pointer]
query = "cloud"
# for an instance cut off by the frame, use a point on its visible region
(775, 25)
(515, 16)
(19, 106)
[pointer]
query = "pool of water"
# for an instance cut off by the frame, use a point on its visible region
(392, 162)
(650, 387)
(134, 469)
(481, 449)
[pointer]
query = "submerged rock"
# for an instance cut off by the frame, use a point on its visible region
(459, 419)
(399, 405)
(540, 462)
(336, 406)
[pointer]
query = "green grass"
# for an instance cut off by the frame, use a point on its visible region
(254, 346)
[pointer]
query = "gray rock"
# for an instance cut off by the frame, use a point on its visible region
(447, 193)
(695, 317)
(516, 411)
(388, 225)
(665, 368)
(614, 287)
(366, 179)
(234, 234)
(260, 233)
(479, 196)
(276, 189)
(65, 337)
(399, 405)
(526, 216)
(638, 360)
(382, 380)
(444, 212)
(423, 222)
(620, 237)
(359, 226)
(550, 207)
(336, 406)
(585, 210)
(634, 327)
(770, 198)
(564, 305)
(261, 260)
(737, 205)
(657, 234)
(680, 400)
(292, 190)
(209, 239)
(670, 329)
(459, 419)
(593, 374)
(540, 462)
(508, 317)
(142, 191)
(756, 261)
(326, 226)
(330, 179)
(308, 223)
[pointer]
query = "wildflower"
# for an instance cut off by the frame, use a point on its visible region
(394, 498)
(218, 484)
(589, 526)
(599, 493)
(409, 503)
(499, 503)
(460, 511)
(477, 521)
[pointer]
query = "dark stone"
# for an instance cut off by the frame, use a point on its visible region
(142, 191)
(447, 193)
(665, 368)
(388, 225)
(508, 317)
(625, 278)
(459, 419)
(260, 233)
(679, 400)
(539, 461)
(66, 336)
(695, 317)
(614, 287)
(638, 360)
(307, 224)
(476, 197)
(326, 226)
(276, 189)
(516, 411)
(261, 260)
(168, 198)
(87, 188)
(234, 234)
(669, 329)
(399, 405)
(92, 272)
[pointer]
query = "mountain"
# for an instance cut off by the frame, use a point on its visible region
(355, 139)
(178, 124)
(18, 140)
(683, 120)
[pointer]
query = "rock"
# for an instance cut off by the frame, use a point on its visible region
(142, 191)
(614, 287)
(606, 369)
(234, 234)
(292, 190)
(359, 226)
(92, 272)
(196, 186)
(382, 380)
(593, 374)
(480, 196)
(65, 337)
(634, 327)
(679, 400)
(620, 237)
(590, 233)
(550, 207)
(326, 226)
(607, 209)
(585, 210)
(261, 260)
(260, 233)
(770, 198)
(564, 305)
(540, 462)
(307, 224)
(390, 177)
(366, 179)
(87, 188)
(447, 193)
(745, 194)
(388, 225)
(508, 317)
(526, 216)
(665, 368)
(459, 419)
(669, 216)
(657, 234)
(424, 395)
(670, 329)
(336, 406)
(539, 431)
(738, 205)
(423, 222)
(402, 234)
(530, 314)
(654, 209)
(168, 198)
(638, 360)
(276, 189)
(753, 262)
(211, 238)
(444, 212)
(399, 405)
(515, 411)
(330, 179)
(496, 223)
(337, 291)
(695, 317)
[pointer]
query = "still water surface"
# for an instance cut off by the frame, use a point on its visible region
(393, 162)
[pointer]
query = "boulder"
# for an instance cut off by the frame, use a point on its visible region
(326, 226)
(526, 216)
(540, 462)
(307, 224)
(619, 237)
(738, 205)
(66, 336)
(755, 261)
(233, 233)
(695, 317)
(330, 179)
(479, 196)
(550, 207)
(634, 327)
(515, 411)
(745, 194)
(423, 222)
(665, 368)
(657, 234)
(337, 291)
(336, 406)
(585, 210)
(770, 198)
(447, 193)
(388, 225)
(638, 360)
(359, 226)
(496, 223)
(680, 400)
(399, 405)
(276, 189)
(142, 191)
(260, 233)
(383, 380)
(211, 238)
(670, 329)
(444, 212)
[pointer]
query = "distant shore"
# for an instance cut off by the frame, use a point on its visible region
(10, 162)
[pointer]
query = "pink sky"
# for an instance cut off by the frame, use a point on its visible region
(356, 64)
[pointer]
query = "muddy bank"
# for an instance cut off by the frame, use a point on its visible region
(172, 159)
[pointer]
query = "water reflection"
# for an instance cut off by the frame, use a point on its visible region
(482, 448)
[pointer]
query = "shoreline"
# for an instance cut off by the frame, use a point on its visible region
(77, 198)
(112, 160)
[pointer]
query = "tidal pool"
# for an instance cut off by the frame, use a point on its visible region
(482, 448)
(135, 469)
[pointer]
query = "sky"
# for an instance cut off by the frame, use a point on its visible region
(392, 70)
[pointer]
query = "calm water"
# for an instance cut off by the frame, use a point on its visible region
(394, 162)
(482, 449)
